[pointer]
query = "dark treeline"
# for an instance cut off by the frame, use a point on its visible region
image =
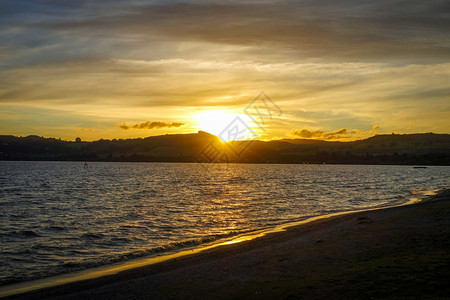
(408, 149)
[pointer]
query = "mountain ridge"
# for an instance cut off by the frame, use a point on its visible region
(418, 148)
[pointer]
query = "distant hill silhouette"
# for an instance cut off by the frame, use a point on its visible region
(417, 149)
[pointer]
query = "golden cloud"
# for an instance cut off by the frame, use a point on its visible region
(150, 125)
(318, 134)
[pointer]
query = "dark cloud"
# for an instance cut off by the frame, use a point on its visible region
(327, 29)
(150, 125)
(308, 134)
(38, 31)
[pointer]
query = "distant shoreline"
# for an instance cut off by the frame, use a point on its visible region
(242, 163)
(407, 149)
(137, 264)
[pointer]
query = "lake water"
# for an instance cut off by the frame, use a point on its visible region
(58, 217)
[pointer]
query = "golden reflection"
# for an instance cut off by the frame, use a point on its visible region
(135, 263)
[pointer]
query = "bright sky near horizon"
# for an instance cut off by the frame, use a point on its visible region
(338, 70)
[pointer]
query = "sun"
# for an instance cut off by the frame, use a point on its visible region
(220, 123)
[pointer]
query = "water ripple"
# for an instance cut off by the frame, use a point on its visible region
(58, 217)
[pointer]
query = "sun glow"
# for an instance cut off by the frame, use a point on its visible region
(221, 123)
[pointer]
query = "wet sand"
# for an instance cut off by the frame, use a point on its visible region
(399, 252)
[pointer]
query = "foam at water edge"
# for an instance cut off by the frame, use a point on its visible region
(422, 194)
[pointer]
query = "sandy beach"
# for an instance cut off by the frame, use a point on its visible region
(399, 252)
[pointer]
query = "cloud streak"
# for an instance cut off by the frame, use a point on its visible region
(344, 64)
(150, 125)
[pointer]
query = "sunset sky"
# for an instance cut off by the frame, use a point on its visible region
(338, 70)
